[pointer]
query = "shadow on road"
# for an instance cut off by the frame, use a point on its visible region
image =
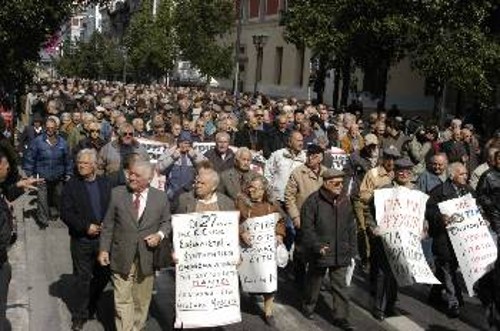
(64, 290)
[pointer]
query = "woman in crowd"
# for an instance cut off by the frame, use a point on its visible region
(254, 202)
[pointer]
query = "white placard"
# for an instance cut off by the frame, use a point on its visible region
(471, 240)
(206, 282)
(154, 148)
(400, 217)
(258, 269)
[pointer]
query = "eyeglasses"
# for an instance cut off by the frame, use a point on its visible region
(130, 134)
(93, 130)
(259, 115)
(336, 184)
(200, 126)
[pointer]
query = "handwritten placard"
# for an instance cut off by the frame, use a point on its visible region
(339, 157)
(155, 149)
(400, 218)
(471, 240)
(207, 247)
(258, 269)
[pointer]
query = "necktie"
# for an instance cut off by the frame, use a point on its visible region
(137, 203)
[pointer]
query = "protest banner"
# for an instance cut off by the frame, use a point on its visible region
(400, 217)
(204, 147)
(206, 280)
(471, 240)
(155, 150)
(339, 156)
(258, 270)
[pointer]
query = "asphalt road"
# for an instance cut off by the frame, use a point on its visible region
(41, 295)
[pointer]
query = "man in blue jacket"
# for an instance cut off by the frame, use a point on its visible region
(48, 157)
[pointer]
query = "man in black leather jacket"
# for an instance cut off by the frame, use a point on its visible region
(488, 193)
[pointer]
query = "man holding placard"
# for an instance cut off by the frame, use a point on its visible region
(382, 262)
(329, 236)
(445, 259)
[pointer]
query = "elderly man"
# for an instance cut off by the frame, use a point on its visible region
(386, 287)
(488, 193)
(204, 197)
(48, 157)
(330, 236)
(303, 181)
(222, 157)
(93, 139)
(138, 218)
(444, 256)
(112, 155)
(483, 167)
(435, 174)
(232, 180)
(281, 164)
(179, 165)
(86, 197)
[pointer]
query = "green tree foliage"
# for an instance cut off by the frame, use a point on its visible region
(98, 58)
(24, 27)
(199, 25)
(448, 41)
(150, 41)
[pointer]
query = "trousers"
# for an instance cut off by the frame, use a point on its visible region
(90, 277)
(386, 286)
(340, 297)
(132, 298)
(48, 195)
(5, 277)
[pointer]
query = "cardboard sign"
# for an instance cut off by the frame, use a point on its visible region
(258, 269)
(400, 217)
(472, 242)
(206, 279)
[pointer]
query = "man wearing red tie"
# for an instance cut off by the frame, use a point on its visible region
(138, 218)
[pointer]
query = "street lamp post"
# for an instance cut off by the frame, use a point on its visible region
(259, 42)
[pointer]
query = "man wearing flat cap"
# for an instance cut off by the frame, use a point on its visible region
(329, 237)
(384, 282)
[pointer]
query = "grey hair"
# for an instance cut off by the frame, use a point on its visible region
(220, 135)
(212, 175)
(144, 165)
(87, 151)
(453, 168)
(124, 127)
(241, 151)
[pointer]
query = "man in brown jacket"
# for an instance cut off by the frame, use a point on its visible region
(303, 181)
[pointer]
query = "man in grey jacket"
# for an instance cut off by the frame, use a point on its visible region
(137, 219)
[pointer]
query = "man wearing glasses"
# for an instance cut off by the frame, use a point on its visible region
(329, 236)
(93, 139)
(113, 154)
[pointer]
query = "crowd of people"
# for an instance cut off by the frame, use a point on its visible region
(77, 145)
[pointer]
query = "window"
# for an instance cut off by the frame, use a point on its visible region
(278, 65)
(272, 7)
(254, 8)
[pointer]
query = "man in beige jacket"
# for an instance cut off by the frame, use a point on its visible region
(303, 181)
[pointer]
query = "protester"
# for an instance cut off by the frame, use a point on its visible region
(386, 287)
(83, 206)
(221, 156)
(137, 219)
(233, 180)
(48, 157)
(488, 194)
(482, 168)
(329, 234)
(254, 202)
(444, 256)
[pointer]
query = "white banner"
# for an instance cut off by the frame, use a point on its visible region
(258, 269)
(206, 279)
(471, 240)
(204, 147)
(339, 156)
(400, 216)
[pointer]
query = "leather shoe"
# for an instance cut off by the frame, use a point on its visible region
(308, 314)
(343, 324)
(379, 316)
(269, 319)
(77, 324)
(454, 312)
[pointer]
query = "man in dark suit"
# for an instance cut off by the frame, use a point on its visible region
(83, 206)
(138, 218)
(232, 180)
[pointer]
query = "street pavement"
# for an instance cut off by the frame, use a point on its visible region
(41, 295)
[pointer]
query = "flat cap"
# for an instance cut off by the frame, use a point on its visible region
(403, 163)
(314, 149)
(332, 173)
(371, 139)
(392, 152)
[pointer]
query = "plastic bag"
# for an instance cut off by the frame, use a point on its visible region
(281, 256)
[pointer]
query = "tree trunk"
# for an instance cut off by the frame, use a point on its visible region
(385, 80)
(458, 105)
(346, 82)
(336, 88)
